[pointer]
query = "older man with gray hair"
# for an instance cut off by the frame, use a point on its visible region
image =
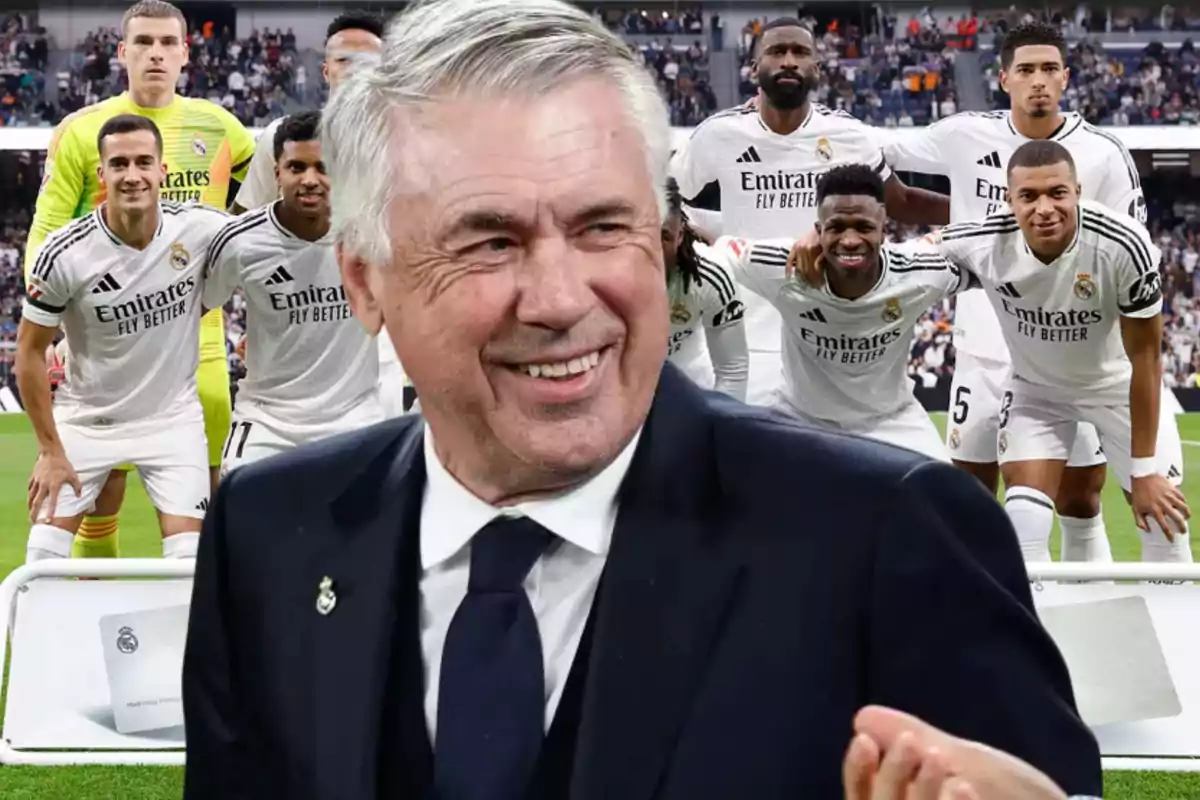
(576, 575)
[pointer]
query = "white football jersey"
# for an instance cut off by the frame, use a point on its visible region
(846, 361)
(260, 186)
(765, 184)
(973, 150)
(1061, 320)
(132, 316)
(713, 303)
(307, 358)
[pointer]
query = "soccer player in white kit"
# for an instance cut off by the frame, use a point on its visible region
(972, 149)
(752, 172)
(703, 296)
(847, 341)
(125, 283)
(1077, 289)
(311, 369)
(352, 40)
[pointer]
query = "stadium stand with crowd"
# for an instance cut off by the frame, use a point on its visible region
(889, 74)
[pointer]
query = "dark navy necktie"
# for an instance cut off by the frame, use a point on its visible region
(491, 697)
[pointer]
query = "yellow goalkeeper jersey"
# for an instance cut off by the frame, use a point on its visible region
(204, 147)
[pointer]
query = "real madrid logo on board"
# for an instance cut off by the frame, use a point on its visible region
(892, 311)
(199, 147)
(179, 256)
(1085, 287)
(680, 315)
(127, 643)
(824, 149)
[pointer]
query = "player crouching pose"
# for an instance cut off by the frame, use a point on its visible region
(848, 337)
(125, 283)
(1077, 289)
(311, 369)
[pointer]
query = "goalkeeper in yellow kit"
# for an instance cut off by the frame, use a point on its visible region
(205, 149)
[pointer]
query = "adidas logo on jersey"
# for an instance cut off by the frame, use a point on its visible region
(1008, 290)
(992, 160)
(106, 284)
(280, 275)
(202, 505)
(749, 157)
(1173, 472)
(815, 315)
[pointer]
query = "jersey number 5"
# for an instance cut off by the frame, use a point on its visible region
(960, 405)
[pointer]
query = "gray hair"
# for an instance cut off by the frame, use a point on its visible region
(438, 49)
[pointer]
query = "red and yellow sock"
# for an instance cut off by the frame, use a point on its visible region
(97, 538)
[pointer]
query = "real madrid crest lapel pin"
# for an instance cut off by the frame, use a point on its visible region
(326, 597)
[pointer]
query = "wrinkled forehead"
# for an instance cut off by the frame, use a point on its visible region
(524, 156)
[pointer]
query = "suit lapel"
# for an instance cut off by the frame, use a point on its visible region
(663, 599)
(373, 563)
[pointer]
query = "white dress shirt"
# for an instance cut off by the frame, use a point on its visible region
(561, 585)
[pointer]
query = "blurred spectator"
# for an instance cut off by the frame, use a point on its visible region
(682, 73)
(657, 21)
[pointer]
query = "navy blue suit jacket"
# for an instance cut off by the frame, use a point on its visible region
(765, 582)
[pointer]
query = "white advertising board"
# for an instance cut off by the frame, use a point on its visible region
(78, 645)
(1135, 666)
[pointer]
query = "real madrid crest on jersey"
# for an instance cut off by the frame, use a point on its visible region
(1002, 442)
(1085, 287)
(179, 256)
(824, 149)
(199, 147)
(955, 439)
(892, 311)
(680, 314)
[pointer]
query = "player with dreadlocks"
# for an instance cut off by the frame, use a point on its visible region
(705, 306)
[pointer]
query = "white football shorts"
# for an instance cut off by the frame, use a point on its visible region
(255, 434)
(1035, 429)
(973, 424)
(910, 428)
(169, 451)
(766, 379)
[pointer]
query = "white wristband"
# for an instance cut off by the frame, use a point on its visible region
(1143, 467)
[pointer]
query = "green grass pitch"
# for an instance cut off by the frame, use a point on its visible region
(139, 537)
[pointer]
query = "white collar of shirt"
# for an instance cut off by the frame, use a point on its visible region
(451, 515)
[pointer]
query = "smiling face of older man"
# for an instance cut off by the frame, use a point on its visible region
(525, 296)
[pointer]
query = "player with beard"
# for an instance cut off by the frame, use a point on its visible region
(311, 369)
(972, 149)
(702, 293)
(752, 172)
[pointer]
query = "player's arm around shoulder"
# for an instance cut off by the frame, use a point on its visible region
(760, 265)
(926, 149)
(222, 265)
(953, 622)
(724, 317)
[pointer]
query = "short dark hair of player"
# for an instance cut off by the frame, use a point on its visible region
(154, 9)
(850, 179)
(780, 22)
(1031, 34)
(302, 127)
(1040, 153)
(356, 21)
(687, 263)
(128, 123)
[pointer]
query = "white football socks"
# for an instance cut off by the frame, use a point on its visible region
(180, 545)
(1085, 539)
(1157, 548)
(47, 541)
(1032, 515)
